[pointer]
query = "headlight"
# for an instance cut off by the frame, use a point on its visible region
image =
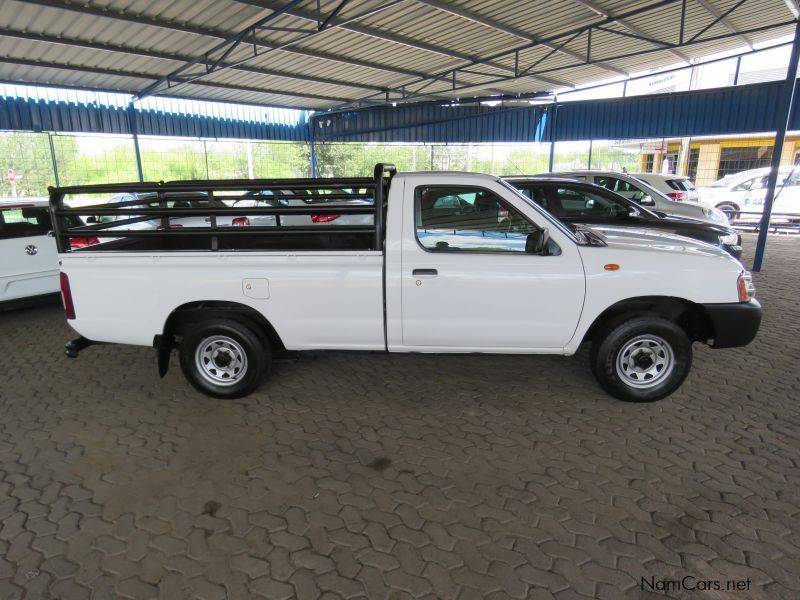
(729, 240)
(717, 215)
(746, 288)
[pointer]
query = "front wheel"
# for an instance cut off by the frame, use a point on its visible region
(224, 358)
(730, 210)
(643, 359)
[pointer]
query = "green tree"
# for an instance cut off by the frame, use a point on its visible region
(280, 159)
(28, 154)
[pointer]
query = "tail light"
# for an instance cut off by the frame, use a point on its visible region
(66, 297)
(82, 242)
(240, 222)
(746, 288)
(324, 218)
(502, 213)
(678, 196)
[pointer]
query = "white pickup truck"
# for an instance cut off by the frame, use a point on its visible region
(451, 262)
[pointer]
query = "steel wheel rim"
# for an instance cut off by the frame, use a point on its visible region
(221, 360)
(645, 361)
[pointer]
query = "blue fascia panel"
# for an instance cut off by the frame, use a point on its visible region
(28, 114)
(733, 110)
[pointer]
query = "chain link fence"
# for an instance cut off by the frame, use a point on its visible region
(30, 162)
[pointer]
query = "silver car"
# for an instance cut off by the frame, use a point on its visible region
(641, 192)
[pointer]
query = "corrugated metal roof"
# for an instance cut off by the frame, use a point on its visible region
(371, 48)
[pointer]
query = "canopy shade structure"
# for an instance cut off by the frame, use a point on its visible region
(358, 53)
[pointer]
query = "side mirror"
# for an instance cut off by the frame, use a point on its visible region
(536, 242)
(91, 220)
(647, 201)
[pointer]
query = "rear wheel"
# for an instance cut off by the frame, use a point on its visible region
(642, 359)
(224, 358)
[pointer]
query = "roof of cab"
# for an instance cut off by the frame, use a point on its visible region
(540, 178)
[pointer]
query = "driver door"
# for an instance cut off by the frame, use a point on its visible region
(468, 282)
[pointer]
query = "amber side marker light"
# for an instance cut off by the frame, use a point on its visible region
(611, 267)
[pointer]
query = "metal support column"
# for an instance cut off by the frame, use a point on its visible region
(591, 143)
(552, 128)
(782, 116)
(134, 125)
(53, 158)
(313, 159)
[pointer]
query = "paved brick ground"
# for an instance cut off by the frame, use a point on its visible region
(399, 476)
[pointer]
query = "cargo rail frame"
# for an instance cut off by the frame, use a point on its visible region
(154, 205)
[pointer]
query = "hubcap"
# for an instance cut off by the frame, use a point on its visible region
(221, 360)
(645, 361)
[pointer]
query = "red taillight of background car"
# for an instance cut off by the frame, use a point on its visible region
(324, 218)
(82, 242)
(502, 213)
(240, 222)
(66, 297)
(678, 196)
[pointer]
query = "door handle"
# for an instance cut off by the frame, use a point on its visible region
(424, 272)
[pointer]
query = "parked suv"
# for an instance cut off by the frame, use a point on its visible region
(577, 202)
(677, 187)
(641, 192)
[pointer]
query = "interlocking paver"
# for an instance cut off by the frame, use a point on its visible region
(387, 476)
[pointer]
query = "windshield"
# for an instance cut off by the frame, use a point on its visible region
(727, 181)
(570, 231)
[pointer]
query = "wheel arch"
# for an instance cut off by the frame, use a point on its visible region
(190, 312)
(690, 316)
(730, 203)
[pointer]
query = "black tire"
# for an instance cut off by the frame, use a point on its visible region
(729, 209)
(647, 341)
(236, 343)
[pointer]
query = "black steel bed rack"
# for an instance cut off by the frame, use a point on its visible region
(71, 220)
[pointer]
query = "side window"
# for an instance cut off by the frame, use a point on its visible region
(577, 202)
(792, 180)
(468, 219)
(746, 185)
(621, 187)
(538, 195)
(24, 221)
(616, 185)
